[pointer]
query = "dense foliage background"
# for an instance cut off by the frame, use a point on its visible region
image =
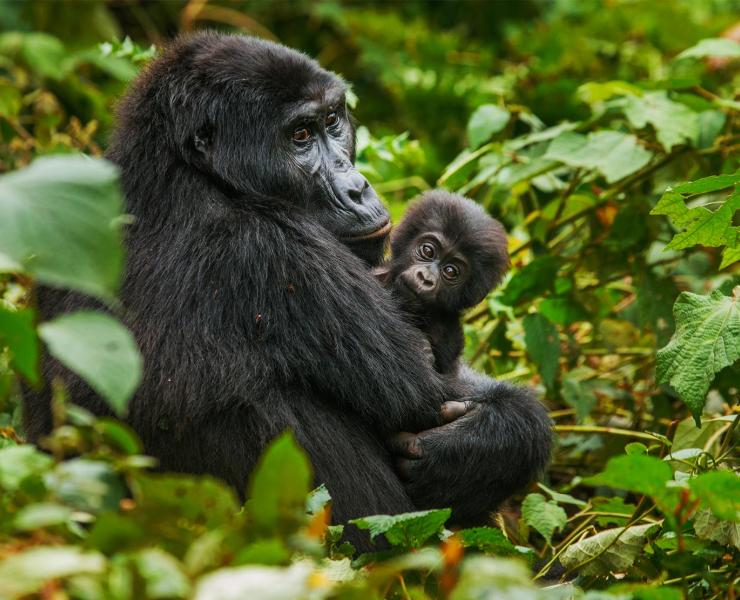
(602, 134)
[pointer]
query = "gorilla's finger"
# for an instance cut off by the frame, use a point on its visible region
(406, 445)
(454, 409)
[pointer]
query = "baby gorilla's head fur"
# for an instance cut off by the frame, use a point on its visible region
(448, 253)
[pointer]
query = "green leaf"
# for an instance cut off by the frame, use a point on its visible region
(25, 573)
(162, 574)
(45, 54)
(489, 540)
(18, 334)
(638, 473)
(578, 396)
(543, 346)
(600, 554)
(58, 223)
(544, 515)
(87, 485)
(720, 491)
(487, 120)
(408, 530)
(18, 463)
(708, 184)
(10, 101)
(43, 514)
(258, 582)
(674, 123)
(709, 527)
(596, 93)
(712, 47)
(729, 256)
(317, 500)
(279, 486)
(615, 155)
(707, 339)
(100, 350)
(699, 224)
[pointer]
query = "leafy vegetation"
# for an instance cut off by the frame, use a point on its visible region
(603, 135)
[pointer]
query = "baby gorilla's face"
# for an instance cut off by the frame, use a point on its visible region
(432, 272)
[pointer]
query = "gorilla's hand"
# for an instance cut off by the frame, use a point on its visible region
(492, 444)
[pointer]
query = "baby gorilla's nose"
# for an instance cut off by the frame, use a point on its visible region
(425, 279)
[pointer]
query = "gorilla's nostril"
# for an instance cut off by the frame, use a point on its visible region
(355, 195)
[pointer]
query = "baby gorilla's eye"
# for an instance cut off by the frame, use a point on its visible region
(451, 272)
(332, 119)
(302, 134)
(427, 250)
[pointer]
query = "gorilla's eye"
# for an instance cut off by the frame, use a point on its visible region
(427, 250)
(451, 272)
(302, 134)
(332, 119)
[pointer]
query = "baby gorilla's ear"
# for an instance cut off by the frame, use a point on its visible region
(382, 274)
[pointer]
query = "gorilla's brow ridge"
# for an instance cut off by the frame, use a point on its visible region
(311, 108)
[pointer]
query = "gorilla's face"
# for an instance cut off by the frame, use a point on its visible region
(270, 121)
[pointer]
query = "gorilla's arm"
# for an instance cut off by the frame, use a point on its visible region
(499, 445)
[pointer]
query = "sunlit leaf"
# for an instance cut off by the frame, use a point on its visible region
(674, 122)
(720, 490)
(613, 550)
(614, 154)
(100, 350)
(279, 485)
(712, 47)
(707, 339)
(18, 335)
(58, 223)
(484, 122)
(408, 530)
(544, 515)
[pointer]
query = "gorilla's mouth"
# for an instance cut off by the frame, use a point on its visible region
(381, 231)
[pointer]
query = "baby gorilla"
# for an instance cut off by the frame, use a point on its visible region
(447, 254)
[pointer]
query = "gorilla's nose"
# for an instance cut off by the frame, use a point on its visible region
(356, 186)
(424, 279)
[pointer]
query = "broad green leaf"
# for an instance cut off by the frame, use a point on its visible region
(10, 101)
(708, 184)
(638, 473)
(709, 527)
(273, 583)
(688, 435)
(317, 499)
(20, 462)
(408, 530)
(544, 515)
(26, 573)
(707, 339)
(560, 497)
(87, 485)
(489, 540)
(484, 122)
(674, 123)
(279, 486)
(615, 155)
(488, 578)
(543, 346)
(45, 54)
(40, 515)
(100, 350)
(18, 334)
(161, 573)
(601, 554)
(595, 93)
(730, 256)
(699, 225)
(712, 47)
(720, 491)
(58, 223)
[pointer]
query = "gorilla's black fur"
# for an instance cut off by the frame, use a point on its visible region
(253, 317)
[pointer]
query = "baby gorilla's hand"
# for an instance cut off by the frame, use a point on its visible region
(409, 447)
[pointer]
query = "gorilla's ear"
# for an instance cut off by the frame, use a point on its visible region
(202, 140)
(382, 274)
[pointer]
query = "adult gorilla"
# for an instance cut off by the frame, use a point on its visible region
(252, 313)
